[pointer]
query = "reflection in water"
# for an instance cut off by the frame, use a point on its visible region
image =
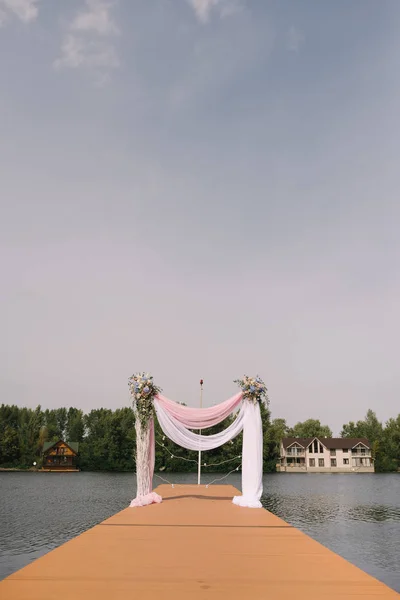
(320, 509)
(301, 509)
(374, 513)
(357, 516)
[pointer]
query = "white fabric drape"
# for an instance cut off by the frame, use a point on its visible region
(252, 458)
(186, 438)
(145, 459)
(248, 419)
(200, 418)
(174, 424)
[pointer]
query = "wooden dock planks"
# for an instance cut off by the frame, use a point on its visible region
(196, 544)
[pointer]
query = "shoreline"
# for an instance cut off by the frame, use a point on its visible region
(34, 470)
(17, 469)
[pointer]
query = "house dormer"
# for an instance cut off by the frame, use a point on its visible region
(316, 446)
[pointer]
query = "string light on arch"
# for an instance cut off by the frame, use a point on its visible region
(239, 456)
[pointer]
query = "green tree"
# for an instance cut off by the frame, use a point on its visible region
(310, 428)
(390, 460)
(61, 420)
(43, 436)
(75, 427)
(9, 446)
(30, 423)
(120, 440)
(52, 425)
(278, 430)
(94, 451)
(270, 454)
(9, 441)
(371, 429)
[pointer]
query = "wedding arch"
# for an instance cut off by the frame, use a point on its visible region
(178, 421)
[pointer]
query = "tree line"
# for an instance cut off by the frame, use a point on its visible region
(107, 439)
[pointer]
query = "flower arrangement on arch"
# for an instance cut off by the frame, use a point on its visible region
(253, 388)
(143, 389)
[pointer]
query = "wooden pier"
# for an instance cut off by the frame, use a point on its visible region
(196, 544)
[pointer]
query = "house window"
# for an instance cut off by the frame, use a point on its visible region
(362, 450)
(310, 449)
(294, 450)
(345, 461)
(333, 462)
(333, 452)
(345, 450)
(321, 449)
(315, 446)
(321, 462)
(312, 462)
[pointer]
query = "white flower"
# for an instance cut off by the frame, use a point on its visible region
(138, 396)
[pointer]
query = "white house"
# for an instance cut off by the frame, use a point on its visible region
(326, 455)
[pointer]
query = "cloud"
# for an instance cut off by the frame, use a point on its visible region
(219, 59)
(25, 10)
(225, 8)
(86, 43)
(295, 39)
(88, 53)
(96, 18)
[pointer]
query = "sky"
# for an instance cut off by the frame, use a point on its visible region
(201, 189)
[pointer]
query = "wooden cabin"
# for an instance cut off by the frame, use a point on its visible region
(60, 456)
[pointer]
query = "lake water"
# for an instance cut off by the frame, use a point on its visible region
(357, 516)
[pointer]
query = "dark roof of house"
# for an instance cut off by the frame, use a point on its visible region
(291, 440)
(73, 445)
(330, 443)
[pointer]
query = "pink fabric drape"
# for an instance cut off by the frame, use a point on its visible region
(152, 452)
(191, 418)
(151, 498)
(200, 418)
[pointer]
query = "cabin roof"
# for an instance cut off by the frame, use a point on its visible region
(329, 443)
(73, 445)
